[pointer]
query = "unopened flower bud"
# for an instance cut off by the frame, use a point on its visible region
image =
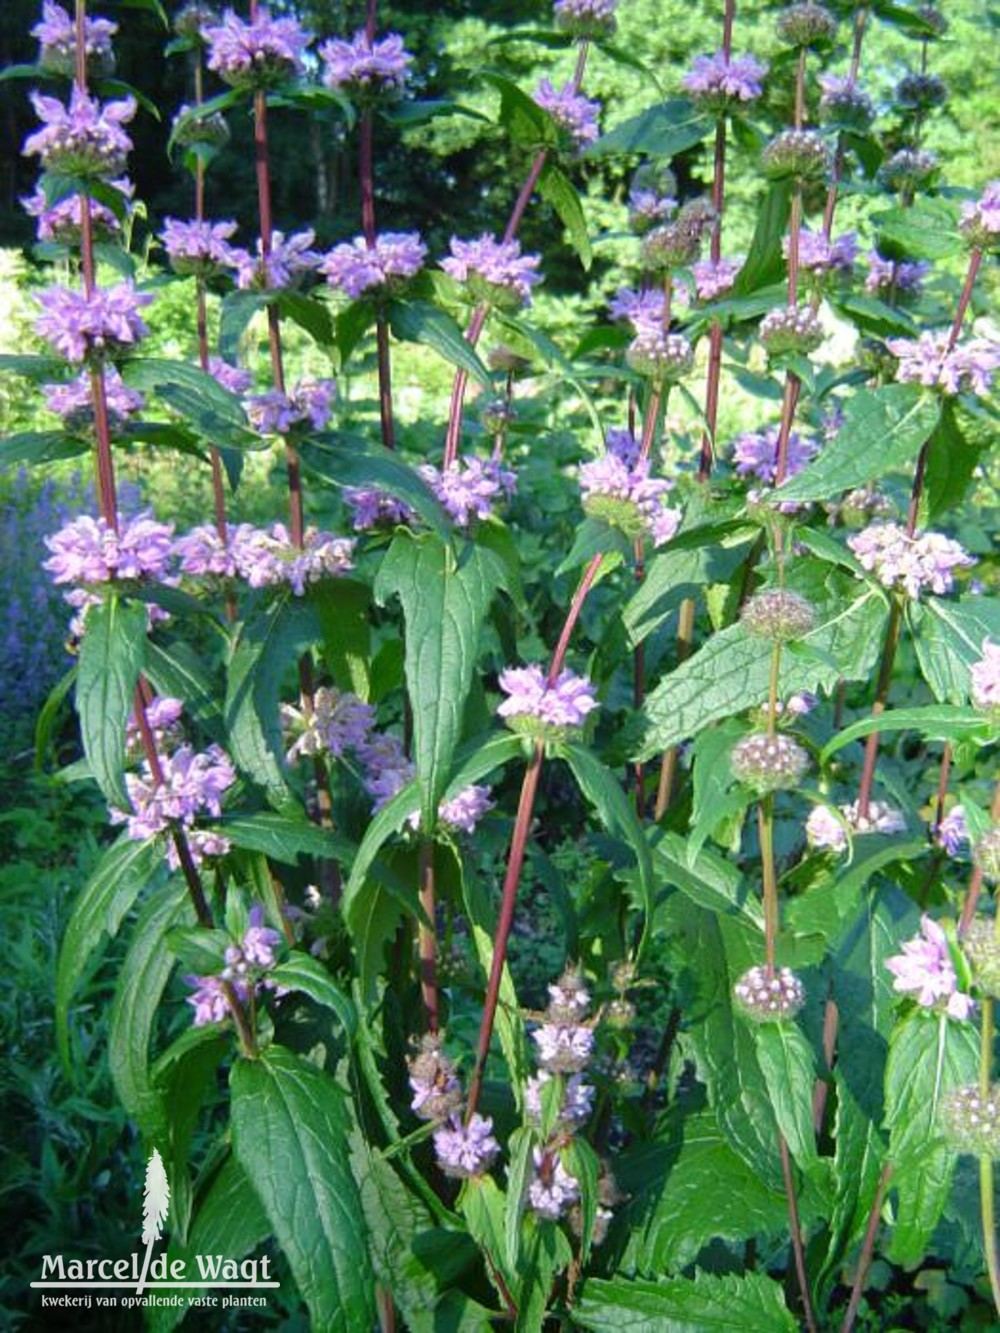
(620, 1014)
(986, 855)
(802, 154)
(191, 21)
(971, 1122)
(666, 357)
(921, 92)
(569, 999)
(933, 17)
(843, 105)
(909, 169)
(982, 949)
(497, 415)
(778, 615)
(210, 130)
(770, 998)
(791, 329)
(806, 24)
(769, 763)
(586, 20)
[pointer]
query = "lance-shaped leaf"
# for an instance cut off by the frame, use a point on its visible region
(290, 1135)
(421, 322)
(445, 599)
(111, 659)
(662, 131)
(753, 1303)
(558, 190)
(764, 263)
(899, 416)
(948, 637)
(345, 461)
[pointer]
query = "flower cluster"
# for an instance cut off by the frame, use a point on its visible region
(163, 717)
(437, 1094)
(372, 508)
(952, 834)
(264, 557)
(74, 400)
(307, 406)
(586, 18)
(677, 243)
(648, 206)
(81, 327)
(925, 970)
(828, 832)
(200, 248)
(285, 263)
(769, 763)
(538, 708)
(56, 36)
(843, 104)
(806, 24)
(337, 722)
(494, 271)
(262, 53)
(642, 309)
(971, 1121)
(899, 277)
(791, 329)
(663, 357)
(83, 138)
(819, 253)
(980, 222)
(755, 454)
(464, 1150)
(933, 361)
(984, 678)
(366, 69)
(909, 169)
(618, 488)
(718, 82)
(243, 973)
(63, 220)
(355, 268)
(575, 115)
(768, 995)
(89, 551)
(714, 278)
(469, 487)
(918, 563)
(800, 153)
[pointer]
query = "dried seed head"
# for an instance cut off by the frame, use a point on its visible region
(792, 329)
(921, 92)
(436, 1091)
(982, 949)
(665, 357)
(778, 615)
(800, 153)
(769, 999)
(569, 999)
(769, 763)
(909, 169)
(986, 855)
(971, 1122)
(806, 24)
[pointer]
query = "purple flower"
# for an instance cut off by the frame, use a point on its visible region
(586, 18)
(260, 54)
(953, 831)
(924, 970)
(259, 941)
(56, 35)
(232, 378)
(203, 551)
(307, 406)
(373, 508)
(193, 784)
(924, 561)
(819, 253)
(980, 222)
(287, 261)
(365, 69)
(74, 400)
(642, 309)
(932, 361)
(574, 114)
(495, 271)
(909, 169)
(647, 208)
(985, 678)
(62, 222)
(385, 768)
(755, 454)
(464, 810)
(469, 487)
(553, 1189)
(665, 357)
(163, 714)
(535, 706)
(621, 492)
(466, 1150)
(564, 1048)
(266, 558)
(79, 326)
(83, 138)
(719, 80)
(904, 277)
(842, 102)
(198, 247)
(825, 830)
(577, 1103)
(337, 722)
(355, 268)
(88, 551)
(209, 1000)
(437, 1094)
(713, 279)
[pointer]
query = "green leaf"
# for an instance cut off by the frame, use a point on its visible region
(29, 447)
(786, 1061)
(122, 873)
(264, 650)
(732, 671)
(309, 314)
(236, 312)
(928, 1057)
(678, 572)
(661, 131)
(176, 671)
(284, 838)
(421, 322)
(753, 1303)
(617, 813)
(301, 972)
(827, 907)
(593, 536)
(344, 608)
(213, 411)
(952, 465)
(142, 979)
(557, 189)
(49, 715)
(201, 110)
(765, 262)
(111, 659)
(873, 315)
(290, 1124)
(934, 723)
(948, 637)
(519, 1174)
(925, 229)
(900, 416)
(690, 1189)
(346, 462)
(527, 123)
(445, 600)
(710, 881)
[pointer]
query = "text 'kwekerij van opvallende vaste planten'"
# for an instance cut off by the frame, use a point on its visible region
(727, 709)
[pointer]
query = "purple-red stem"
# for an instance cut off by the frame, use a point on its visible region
(366, 174)
(518, 847)
(427, 935)
(796, 1234)
(867, 1250)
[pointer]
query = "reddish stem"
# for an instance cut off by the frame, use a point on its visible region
(366, 174)
(427, 933)
(796, 1235)
(867, 1250)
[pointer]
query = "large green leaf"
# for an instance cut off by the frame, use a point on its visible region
(176, 671)
(125, 869)
(936, 722)
(142, 980)
(290, 1125)
(445, 600)
(527, 123)
(706, 1303)
(265, 648)
(689, 1190)
(301, 972)
(28, 447)
(925, 229)
(710, 881)
(677, 573)
(557, 189)
(765, 262)
(786, 1061)
(421, 322)
(284, 838)
(214, 412)
(732, 671)
(928, 1056)
(948, 637)
(662, 131)
(111, 659)
(344, 461)
(901, 417)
